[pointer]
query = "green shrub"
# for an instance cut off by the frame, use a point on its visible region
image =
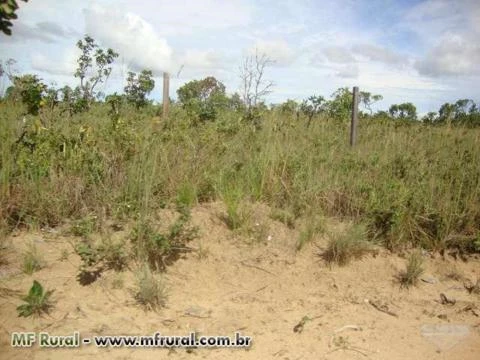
(162, 249)
(37, 301)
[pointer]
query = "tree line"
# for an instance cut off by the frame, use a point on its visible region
(204, 99)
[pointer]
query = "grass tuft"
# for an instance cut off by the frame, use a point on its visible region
(32, 260)
(414, 269)
(150, 289)
(343, 248)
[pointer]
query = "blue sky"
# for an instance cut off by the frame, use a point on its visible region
(425, 52)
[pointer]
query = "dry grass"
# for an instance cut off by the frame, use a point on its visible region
(344, 247)
(32, 260)
(414, 269)
(150, 289)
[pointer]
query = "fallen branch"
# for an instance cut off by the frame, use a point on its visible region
(382, 308)
(256, 267)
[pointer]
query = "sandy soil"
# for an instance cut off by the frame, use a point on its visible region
(261, 290)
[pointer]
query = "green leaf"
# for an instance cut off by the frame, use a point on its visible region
(36, 290)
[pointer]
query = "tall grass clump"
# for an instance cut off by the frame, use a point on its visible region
(413, 270)
(32, 260)
(345, 247)
(150, 290)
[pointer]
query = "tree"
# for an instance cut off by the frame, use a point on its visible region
(289, 107)
(463, 111)
(254, 86)
(405, 111)
(312, 106)
(92, 73)
(7, 13)
(30, 90)
(367, 99)
(445, 113)
(235, 103)
(138, 87)
(72, 100)
(340, 107)
(203, 98)
(430, 118)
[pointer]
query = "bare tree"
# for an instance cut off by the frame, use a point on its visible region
(254, 86)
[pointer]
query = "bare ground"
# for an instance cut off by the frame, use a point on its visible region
(262, 290)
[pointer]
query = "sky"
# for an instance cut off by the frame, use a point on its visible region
(422, 51)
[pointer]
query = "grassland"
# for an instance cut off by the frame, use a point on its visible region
(408, 184)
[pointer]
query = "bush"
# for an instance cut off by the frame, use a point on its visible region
(161, 249)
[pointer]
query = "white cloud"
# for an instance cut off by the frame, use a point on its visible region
(337, 54)
(380, 54)
(348, 72)
(277, 50)
(190, 16)
(59, 66)
(453, 55)
(432, 18)
(200, 59)
(135, 39)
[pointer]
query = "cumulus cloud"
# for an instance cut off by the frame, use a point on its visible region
(135, 39)
(336, 54)
(380, 54)
(454, 55)
(277, 50)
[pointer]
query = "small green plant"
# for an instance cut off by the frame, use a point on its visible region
(37, 301)
(88, 253)
(186, 196)
(97, 258)
(32, 260)
(414, 269)
(84, 226)
(162, 249)
(342, 248)
(150, 290)
(113, 254)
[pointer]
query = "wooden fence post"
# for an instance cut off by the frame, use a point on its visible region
(353, 127)
(166, 94)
